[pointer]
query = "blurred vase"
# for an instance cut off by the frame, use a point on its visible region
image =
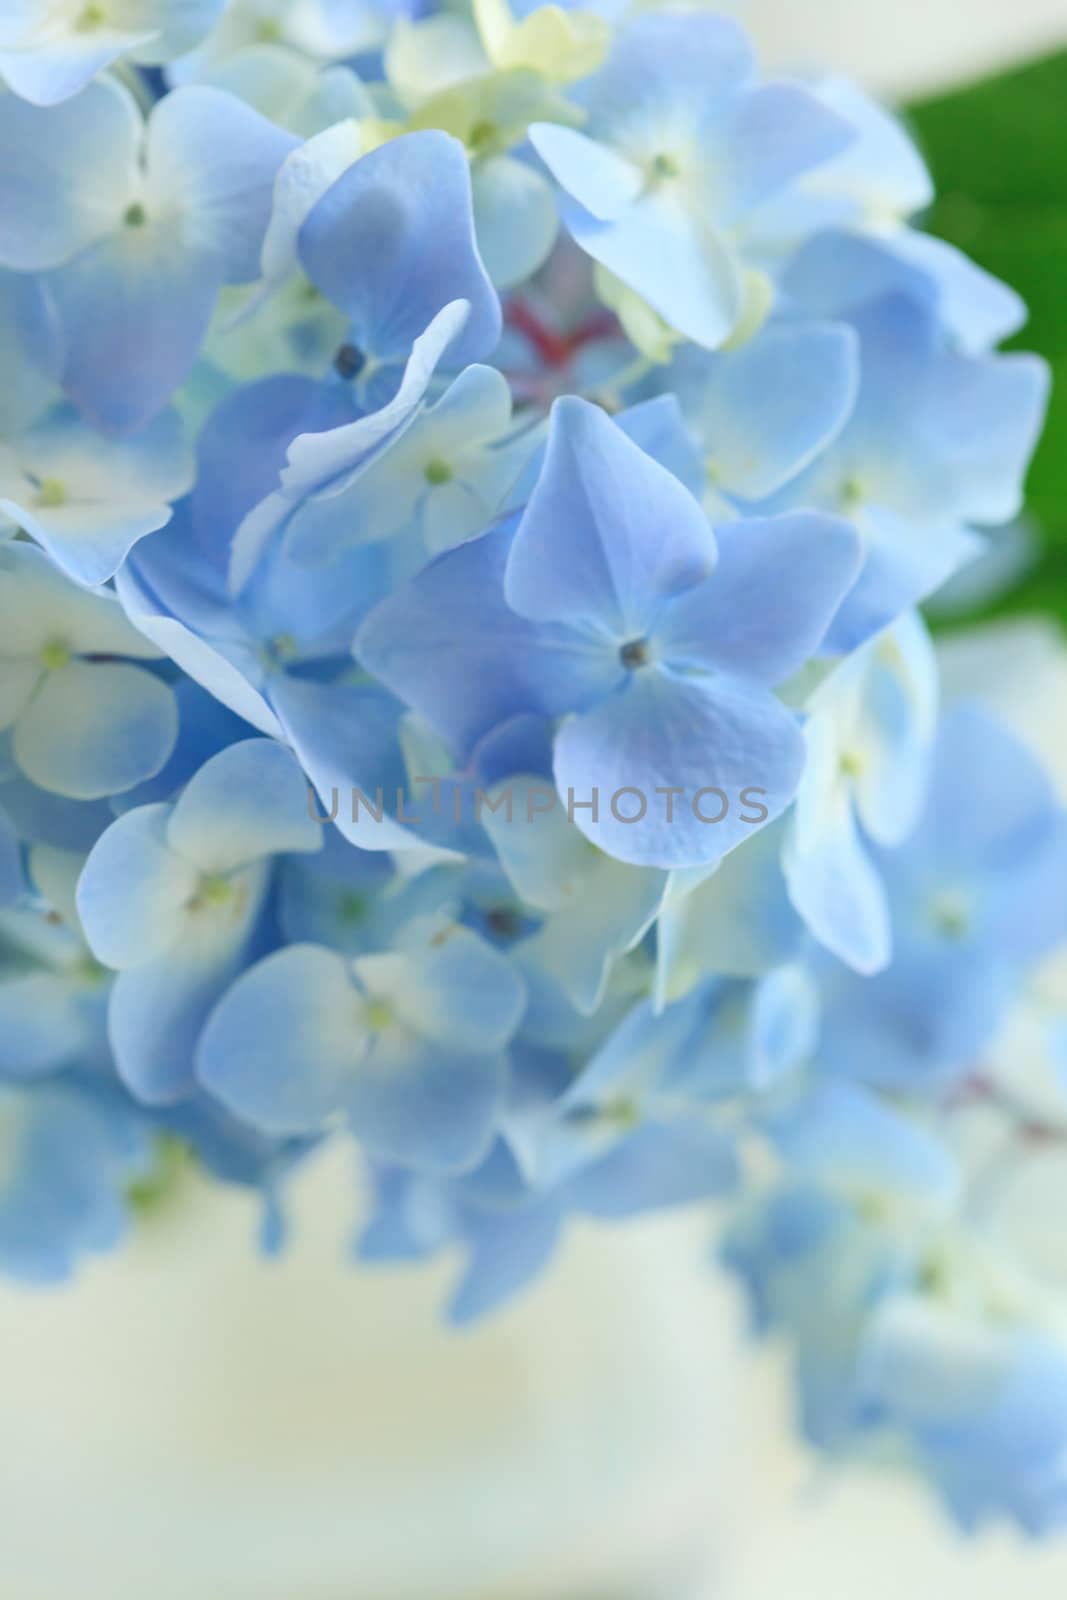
(189, 1421)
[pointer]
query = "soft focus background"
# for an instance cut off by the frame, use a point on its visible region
(192, 1424)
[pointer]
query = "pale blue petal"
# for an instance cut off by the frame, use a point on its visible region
(41, 1025)
(424, 1105)
(515, 219)
(282, 1047)
(237, 686)
(664, 731)
(133, 312)
(346, 740)
(768, 605)
(116, 490)
(835, 885)
(324, 463)
(673, 259)
(30, 353)
(846, 1136)
(602, 180)
(214, 160)
(40, 607)
(12, 879)
(659, 428)
(392, 242)
(249, 801)
(661, 1166)
(777, 132)
(68, 173)
(738, 922)
(158, 1010)
(134, 890)
(95, 729)
(57, 68)
(451, 648)
(905, 561)
(608, 533)
(765, 411)
(461, 993)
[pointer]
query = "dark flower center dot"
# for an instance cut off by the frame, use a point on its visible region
(503, 922)
(349, 361)
(634, 653)
(135, 216)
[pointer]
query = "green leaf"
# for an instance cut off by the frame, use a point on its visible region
(998, 155)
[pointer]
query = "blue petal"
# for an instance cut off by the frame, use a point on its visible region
(281, 1048)
(213, 159)
(661, 1166)
(42, 1027)
(663, 731)
(608, 533)
(834, 884)
(765, 411)
(323, 463)
(392, 242)
(515, 219)
(846, 1136)
(68, 173)
(766, 608)
(133, 312)
(134, 889)
(451, 648)
(158, 1009)
(30, 350)
(425, 1105)
(684, 270)
(96, 728)
(249, 801)
(777, 132)
(115, 490)
(12, 881)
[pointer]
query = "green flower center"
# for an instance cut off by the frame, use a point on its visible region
(52, 492)
(437, 471)
(55, 655)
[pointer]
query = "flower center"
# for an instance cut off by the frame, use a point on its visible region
(634, 654)
(135, 216)
(950, 914)
(55, 655)
(437, 471)
(52, 492)
(92, 16)
(664, 165)
(379, 1015)
(349, 362)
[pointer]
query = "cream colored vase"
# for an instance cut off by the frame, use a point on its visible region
(191, 1423)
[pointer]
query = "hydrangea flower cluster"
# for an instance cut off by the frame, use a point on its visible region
(468, 479)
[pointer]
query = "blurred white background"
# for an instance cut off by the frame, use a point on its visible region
(902, 47)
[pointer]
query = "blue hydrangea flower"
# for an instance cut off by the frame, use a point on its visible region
(138, 224)
(82, 723)
(88, 498)
(171, 897)
(50, 51)
(68, 1154)
(938, 440)
(870, 731)
(391, 243)
(680, 146)
(604, 604)
(970, 911)
(407, 1045)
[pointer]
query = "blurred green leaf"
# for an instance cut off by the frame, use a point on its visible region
(998, 153)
